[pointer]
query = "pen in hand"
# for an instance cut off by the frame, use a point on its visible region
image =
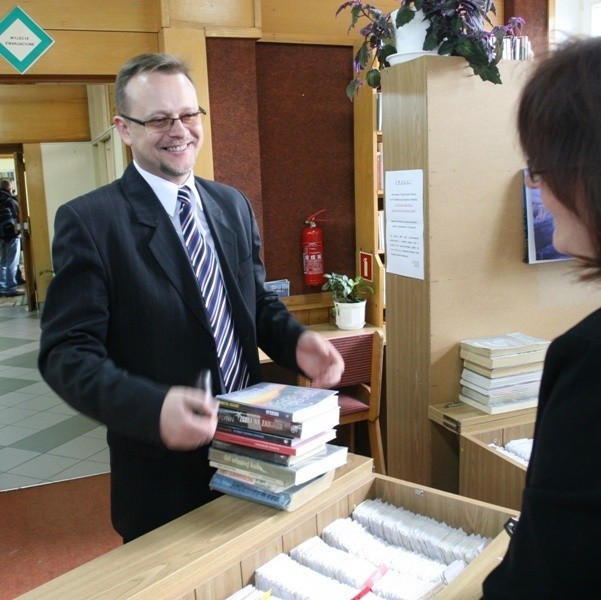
(204, 383)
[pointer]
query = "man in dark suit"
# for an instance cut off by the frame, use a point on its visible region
(127, 327)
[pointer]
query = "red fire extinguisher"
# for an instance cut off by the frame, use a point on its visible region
(312, 242)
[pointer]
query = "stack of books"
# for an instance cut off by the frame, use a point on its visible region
(502, 372)
(271, 444)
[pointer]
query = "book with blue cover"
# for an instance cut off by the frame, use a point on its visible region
(289, 500)
(280, 400)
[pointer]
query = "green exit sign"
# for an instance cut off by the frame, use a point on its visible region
(22, 41)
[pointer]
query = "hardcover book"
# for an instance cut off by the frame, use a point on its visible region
(265, 455)
(300, 448)
(296, 403)
(289, 500)
(284, 427)
(309, 468)
(504, 343)
(507, 360)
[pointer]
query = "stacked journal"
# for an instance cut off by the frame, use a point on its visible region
(502, 372)
(271, 444)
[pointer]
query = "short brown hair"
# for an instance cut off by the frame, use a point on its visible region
(146, 63)
(559, 123)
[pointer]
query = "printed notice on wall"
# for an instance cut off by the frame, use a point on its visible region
(405, 223)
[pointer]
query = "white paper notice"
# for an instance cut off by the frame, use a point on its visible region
(405, 223)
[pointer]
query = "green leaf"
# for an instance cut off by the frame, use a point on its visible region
(488, 73)
(404, 16)
(352, 88)
(372, 78)
(384, 53)
(363, 55)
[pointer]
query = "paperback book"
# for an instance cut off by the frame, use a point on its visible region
(482, 382)
(284, 427)
(504, 343)
(507, 360)
(493, 409)
(299, 449)
(309, 468)
(292, 402)
(289, 500)
(488, 398)
(265, 455)
(496, 373)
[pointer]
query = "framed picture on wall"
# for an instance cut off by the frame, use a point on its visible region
(538, 224)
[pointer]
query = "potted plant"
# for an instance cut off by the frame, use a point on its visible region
(349, 299)
(455, 28)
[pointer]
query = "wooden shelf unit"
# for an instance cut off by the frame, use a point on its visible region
(440, 118)
(368, 199)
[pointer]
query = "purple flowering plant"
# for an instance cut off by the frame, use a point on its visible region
(457, 28)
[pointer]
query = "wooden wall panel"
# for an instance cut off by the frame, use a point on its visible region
(305, 128)
(99, 15)
(225, 13)
(92, 53)
(234, 117)
(30, 114)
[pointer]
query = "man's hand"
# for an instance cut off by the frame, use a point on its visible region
(319, 360)
(188, 418)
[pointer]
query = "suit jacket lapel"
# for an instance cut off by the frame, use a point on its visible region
(164, 243)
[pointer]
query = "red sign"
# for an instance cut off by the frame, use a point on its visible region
(366, 265)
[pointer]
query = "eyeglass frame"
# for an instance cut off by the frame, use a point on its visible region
(535, 175)
(201, 111)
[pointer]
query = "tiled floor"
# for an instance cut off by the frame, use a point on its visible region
(42, 439)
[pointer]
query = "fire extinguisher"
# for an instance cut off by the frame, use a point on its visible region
(312, 242)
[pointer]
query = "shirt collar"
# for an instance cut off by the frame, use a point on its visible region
(166, 191)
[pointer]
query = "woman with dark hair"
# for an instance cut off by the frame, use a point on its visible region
(554, 550)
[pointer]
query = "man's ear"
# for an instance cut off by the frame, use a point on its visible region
(122, 127)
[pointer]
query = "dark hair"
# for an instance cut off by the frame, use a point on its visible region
(559, 123)
(146, 63)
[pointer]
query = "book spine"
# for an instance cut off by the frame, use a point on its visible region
(255, 410)
(277, 473)
(264, 483)
(257, 435)
(247, 492)
(227, 436)
(256, 422)
(255, 453)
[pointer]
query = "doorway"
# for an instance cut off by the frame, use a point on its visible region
(13, 168)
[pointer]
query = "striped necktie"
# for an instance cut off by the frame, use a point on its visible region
(231, 362)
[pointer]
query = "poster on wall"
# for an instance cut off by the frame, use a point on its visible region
(538, 223)
(404, 214)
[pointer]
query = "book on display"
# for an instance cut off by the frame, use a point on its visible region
(500, 372)
(274, 425)
(516, 392)
(330, 458)
(504, 344)
(500, 407)
(292, 402)
(264, 455)
(481, 382)
(300, 448)
(504, 361)
(288, 500)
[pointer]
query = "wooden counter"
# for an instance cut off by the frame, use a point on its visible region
(214, 550)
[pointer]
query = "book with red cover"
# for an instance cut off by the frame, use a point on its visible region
(298, 448)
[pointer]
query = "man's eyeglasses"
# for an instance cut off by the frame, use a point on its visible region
(166, 123)
(535, 175)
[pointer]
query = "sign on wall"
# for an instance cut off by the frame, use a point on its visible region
(22, 41)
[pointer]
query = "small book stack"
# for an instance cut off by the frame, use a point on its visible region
(502, 372)
(271, 444)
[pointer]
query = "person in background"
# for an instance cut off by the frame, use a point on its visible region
(158, 277)
(554, 550)
(10, 246)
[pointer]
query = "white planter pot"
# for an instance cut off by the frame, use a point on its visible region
(350, 315)
(410, 39)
